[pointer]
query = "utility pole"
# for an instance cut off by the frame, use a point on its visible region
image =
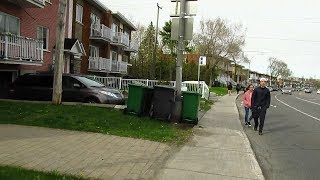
(179, 58)
(155, 45)
(59, 65)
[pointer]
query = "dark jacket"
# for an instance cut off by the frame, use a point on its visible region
(260, 98)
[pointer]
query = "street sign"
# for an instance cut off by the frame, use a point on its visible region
(202, 60)
(188, 31)
(190, 9)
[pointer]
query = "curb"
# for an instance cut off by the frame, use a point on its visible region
(121, 107)
(257, 166)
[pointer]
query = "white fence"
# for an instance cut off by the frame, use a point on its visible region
(123, 84)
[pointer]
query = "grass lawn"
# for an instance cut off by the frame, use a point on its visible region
(92, 119)
(15, 173)
(205, 105)
(220, 91)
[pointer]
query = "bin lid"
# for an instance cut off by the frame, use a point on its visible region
(140, 85)
(165, 87)
(191, 92)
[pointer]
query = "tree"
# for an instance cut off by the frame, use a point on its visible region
(142, 65)
(218, 40)
(171, 46)
(278, 68)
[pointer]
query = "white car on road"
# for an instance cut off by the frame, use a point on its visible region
(318, 92)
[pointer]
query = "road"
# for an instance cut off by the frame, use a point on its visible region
(290, 146)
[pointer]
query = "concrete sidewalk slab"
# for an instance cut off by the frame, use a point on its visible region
(219, 150)
(90, 155)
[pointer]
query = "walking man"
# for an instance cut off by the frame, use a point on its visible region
(260, 103)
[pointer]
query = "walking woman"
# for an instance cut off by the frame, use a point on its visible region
(229, 86)
(247, 104)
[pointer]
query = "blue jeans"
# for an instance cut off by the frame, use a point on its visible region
(247, 110)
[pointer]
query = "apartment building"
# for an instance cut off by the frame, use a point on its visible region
(105, 35)
(97, 40)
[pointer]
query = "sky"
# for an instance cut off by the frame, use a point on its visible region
(286, 29)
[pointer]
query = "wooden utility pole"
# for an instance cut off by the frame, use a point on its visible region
(59, 61)
(153, 70)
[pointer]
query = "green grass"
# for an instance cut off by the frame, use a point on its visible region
(205, 105)
(220, 91)
(15, 173)
(91, 119)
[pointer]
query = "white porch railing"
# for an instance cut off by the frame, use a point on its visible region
(123, 84)
(120, 38)
(104, 64)
(20, 48)
(101, 30)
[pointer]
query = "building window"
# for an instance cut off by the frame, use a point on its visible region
(114, 56)
(79, 13)
(95, 21)
(115, 28)
(43, 34)
(94, 51)
(125, 58)
(9, 24)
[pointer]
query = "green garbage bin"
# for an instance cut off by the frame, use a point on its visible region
(190, 107)
(139, 99)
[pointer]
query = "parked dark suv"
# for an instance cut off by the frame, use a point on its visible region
(75, 88)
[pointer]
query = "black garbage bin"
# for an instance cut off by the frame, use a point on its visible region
(163, 102)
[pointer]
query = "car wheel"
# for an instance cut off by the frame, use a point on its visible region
(92, 100)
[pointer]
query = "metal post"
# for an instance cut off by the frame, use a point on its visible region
(179, 59)
(198, 76)
(155, 45)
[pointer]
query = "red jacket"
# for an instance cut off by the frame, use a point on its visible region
(247, 99)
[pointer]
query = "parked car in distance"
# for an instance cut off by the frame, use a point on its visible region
(308, 90)
(75, 88)
(286, 90)
(318, 92)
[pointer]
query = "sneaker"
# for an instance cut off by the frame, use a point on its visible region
(255, 129)
(246, 124)
(249, 124)
(260, 133)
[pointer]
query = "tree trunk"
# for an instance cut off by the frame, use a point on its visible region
(59, 61)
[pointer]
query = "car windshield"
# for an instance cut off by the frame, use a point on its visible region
(89, 82)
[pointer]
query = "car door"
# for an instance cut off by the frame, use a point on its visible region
(42, 90)
(71, 89)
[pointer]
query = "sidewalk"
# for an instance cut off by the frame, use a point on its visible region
(219, 150)
(90, 155)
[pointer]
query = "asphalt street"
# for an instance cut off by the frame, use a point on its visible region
(290, 146)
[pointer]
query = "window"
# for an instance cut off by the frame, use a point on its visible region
(125, 58)
(115, 28)
(9, 24)
(94, 51)
(43, 34)
(79, 13)
(95, 20)
(114, 56)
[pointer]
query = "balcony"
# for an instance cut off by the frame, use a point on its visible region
(100, 32)
(120, 39)
(20, 50)
(99, 64)
(29, 3)
(133, 47)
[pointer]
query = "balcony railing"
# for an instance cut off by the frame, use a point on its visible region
(20, 49)
(107, 65)
(120, 38)
(100, 31)
(134, 46)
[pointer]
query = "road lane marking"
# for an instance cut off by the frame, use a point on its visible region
(308, 101)
(297, 109)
